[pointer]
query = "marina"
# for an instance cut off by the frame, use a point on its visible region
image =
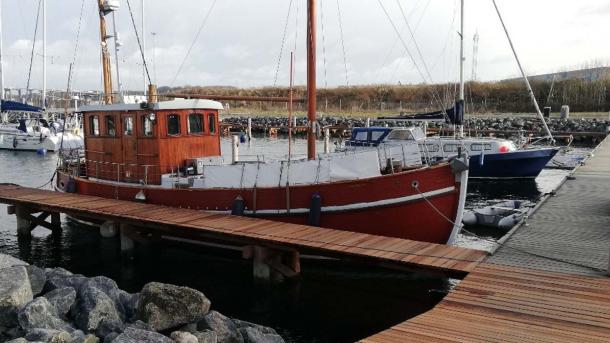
(185, 179)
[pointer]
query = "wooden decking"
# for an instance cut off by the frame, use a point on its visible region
(249, 231)
(505, 304)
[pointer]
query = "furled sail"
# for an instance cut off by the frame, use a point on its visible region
(453, 115)
(18, 107)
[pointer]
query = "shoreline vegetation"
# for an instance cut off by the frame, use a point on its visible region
(589, 99)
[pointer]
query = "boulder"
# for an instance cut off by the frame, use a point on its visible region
(37, 279)
(244, 324)
(254, 335)
(119, 298)
(79, 337)
(166, 306)
(53, 273)
(40, 314)
(133, 335)
(18, 340)
(129, 304)
(15, 291)
(111, 337)
(62, 299)
(183, 337)
(74, 281)
(48, 336)
(92, 306)
(107, 327)
(224, 327)
(7, 261)
(206, 336)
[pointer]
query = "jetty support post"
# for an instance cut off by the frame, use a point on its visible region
(272, 266)
(26, 222)
(249, 130)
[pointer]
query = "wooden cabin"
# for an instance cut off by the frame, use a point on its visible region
(140, 142)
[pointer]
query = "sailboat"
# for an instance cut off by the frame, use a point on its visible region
(32, 130)
(168, 153)
(490, 158)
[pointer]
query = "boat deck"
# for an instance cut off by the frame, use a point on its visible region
(194, 224)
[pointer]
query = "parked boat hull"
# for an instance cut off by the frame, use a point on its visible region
(515, 164)
(388, 205)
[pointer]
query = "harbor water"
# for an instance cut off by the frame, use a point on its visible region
(331, 302)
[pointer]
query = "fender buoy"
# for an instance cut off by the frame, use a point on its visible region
(15, 142)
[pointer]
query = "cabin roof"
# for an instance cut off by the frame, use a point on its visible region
(176, 104)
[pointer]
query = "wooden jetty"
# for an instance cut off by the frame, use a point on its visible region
(545, 283)
(275, 244)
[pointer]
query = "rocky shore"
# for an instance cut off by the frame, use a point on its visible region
(56, 306)
(478, 123)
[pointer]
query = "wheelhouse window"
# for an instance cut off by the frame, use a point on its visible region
(450, 148)
(128, 126)
(212, 123)
(432, 147)
(147, 126)
(480, 147)
(173, 125)
(110, 126)
(400, 135)
(94, 126)
(361, 136)
(195, 123)
(376, 135)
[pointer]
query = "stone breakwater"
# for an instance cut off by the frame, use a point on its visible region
(56, 306)
(261, 124)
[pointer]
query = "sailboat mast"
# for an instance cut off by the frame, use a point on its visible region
(311, 79)
(462, 59)
(44, 54)
(105, 56)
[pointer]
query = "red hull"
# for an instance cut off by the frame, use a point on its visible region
(387, 205)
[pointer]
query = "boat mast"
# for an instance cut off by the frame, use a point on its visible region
(105, 55)
(44, 55)
(524, 75)
(462, 59)
(311, 79)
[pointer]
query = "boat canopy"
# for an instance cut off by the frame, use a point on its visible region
(18, 107)
(453, 115)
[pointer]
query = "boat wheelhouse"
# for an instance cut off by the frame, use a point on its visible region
(136, 143)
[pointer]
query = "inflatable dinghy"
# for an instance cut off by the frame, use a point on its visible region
(503, 215)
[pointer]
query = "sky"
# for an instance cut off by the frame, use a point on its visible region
(240, 42)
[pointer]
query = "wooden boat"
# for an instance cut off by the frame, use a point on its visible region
(168, 153)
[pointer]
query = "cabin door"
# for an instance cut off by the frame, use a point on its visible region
(130, 148)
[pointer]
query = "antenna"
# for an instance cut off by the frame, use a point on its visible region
(475, 56)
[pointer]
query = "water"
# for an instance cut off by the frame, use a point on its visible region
(331, 302)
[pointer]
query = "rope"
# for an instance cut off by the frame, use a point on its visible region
(343, 44)
(279, 60)
(504, 244)
(323, 45)
(27, 87)
(205, 20)
(135, 29)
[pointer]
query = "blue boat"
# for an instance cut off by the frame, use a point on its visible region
(491, 158)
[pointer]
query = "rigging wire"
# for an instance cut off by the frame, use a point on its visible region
(135, 29)
(323, 44)
(27, 87)
(434, 95)
(343, 44)
(76, 46)
(205, 20)
(279, 60)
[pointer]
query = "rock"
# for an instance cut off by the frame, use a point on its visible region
(79, 337)
(244, 324)
(111, 337)
(15, 291)
(133, 335)
(18, 340)
(254, 335)
(110, 288)
(224, 327)
(74, 281)
(206, 336)
(54, 273)
(129, 304)
(92, 306)
(183, 337)
(107, 327)
(62, 299)
(37, 279)
(138, 324)
(191, 327)
(166, 306)
(49, 336)
(7, 261)
(40, 314)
